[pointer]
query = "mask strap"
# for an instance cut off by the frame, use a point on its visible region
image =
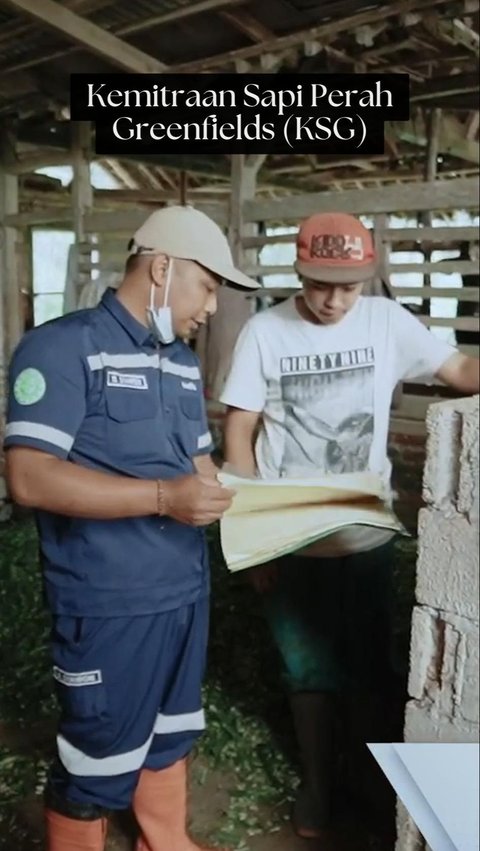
(167, 288)
(168, 282)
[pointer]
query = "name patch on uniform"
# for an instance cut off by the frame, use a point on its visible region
(122, 379)
(85, 678)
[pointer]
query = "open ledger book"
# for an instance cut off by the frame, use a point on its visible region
(270, 518)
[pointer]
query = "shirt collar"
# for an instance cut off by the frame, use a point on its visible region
(138, 332)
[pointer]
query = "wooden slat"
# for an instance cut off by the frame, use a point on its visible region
(38, 218)
(431, 234)
(265, 271)
(462, 323)
(473, 351)
(102, 266)
(129, 221)
(454, 194)
(404, 425)
(415, 407)
(445, 267)
(470, 294)
(112, 246)
(272, 239)
(437, 235)
(459, 293)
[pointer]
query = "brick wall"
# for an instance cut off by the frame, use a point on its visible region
(407, 453)
(444, 657)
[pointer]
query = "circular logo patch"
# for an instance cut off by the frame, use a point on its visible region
(29, 387)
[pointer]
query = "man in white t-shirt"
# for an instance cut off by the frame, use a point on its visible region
(317, 374)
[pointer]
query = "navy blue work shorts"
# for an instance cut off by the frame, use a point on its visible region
(130, 694)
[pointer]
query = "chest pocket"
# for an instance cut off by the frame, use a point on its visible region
(189, 422)
(124, 406)
(133, 425)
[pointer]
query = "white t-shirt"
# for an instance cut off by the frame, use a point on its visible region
(325, 393)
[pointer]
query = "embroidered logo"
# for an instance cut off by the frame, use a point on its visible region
(85, 678)
(337, 247)
(29, 387)
(124, 379)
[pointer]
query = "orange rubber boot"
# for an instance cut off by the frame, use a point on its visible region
(68, 834)
(160, 806)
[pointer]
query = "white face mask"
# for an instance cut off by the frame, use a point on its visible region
(160, 319)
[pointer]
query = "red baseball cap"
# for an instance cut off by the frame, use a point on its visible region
(335, 248)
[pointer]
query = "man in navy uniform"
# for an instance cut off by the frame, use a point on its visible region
(107, 438)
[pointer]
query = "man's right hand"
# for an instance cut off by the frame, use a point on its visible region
(196, 500)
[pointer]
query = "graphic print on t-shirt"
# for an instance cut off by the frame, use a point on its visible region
(328, 401)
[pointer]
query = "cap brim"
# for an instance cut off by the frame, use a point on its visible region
(233, 277)
(336, 274)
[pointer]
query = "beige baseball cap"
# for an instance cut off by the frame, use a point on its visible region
(188, 234)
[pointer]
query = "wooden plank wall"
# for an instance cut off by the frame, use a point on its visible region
(107, 236)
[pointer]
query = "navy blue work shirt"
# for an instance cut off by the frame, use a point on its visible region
(92, 387)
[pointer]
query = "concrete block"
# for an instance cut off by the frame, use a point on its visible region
(441, 471)
(444, 660)
(448, 563)
(424, 652)
(423, 723)
(468, 486)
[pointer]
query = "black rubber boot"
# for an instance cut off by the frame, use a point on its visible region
(313, 716)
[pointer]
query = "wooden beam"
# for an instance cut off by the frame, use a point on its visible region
(472, 125)
(89, 35)
(452, 86)
(247, 24)
(137, 26)
(451, 137)
(121, 173)
(440, 195)
(329, 29)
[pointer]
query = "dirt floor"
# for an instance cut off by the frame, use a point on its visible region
(208, 805)
(209, 801)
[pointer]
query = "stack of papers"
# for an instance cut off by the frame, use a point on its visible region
(270, 518)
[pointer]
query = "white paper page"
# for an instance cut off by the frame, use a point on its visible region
(438, 784)
(447, 774)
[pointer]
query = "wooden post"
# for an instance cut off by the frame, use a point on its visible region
(434, 128)
(234, 308)
(183, 187)
(82, 200)
(381, 282)
(11, 325)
